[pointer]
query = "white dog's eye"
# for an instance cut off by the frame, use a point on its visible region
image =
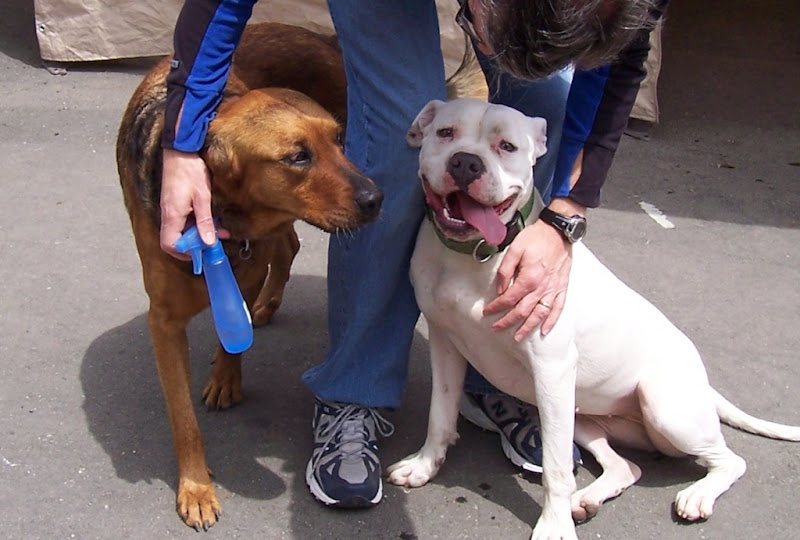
(507, 146)
(445, 133)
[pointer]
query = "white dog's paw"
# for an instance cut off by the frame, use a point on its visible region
(615, 479)
(585, 505)
(697, 501)
(413, 471)
(554, 530)
(692, 504)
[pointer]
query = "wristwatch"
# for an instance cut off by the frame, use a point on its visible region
(573, 228)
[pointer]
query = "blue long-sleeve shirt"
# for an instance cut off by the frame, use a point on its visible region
(206, 34)
(598, 105)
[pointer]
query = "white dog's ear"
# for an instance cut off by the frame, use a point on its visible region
(423, 120)
(539, 134)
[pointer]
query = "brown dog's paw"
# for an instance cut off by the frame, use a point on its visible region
(197, 504)
(224, 387)
(263, 310)
(222, 394)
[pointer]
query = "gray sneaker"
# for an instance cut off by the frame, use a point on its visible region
(344, 470)
(514, 422)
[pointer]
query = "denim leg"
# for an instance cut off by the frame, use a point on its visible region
(394, 66)
(547, 99)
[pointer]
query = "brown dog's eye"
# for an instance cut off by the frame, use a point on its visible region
(301, 158)
(445, 133)
(507, 146)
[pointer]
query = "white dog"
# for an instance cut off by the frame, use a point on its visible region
(634, 377)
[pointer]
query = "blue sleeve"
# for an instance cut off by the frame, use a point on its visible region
(206, 34)
(598, 106)
(584, 98)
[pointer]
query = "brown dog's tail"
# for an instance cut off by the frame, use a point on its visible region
(735, 417)
(468, 80)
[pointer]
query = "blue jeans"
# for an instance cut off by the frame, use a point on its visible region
(394, 66)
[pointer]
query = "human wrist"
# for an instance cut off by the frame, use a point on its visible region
(173, 153)
(567, 207)
(567, 217)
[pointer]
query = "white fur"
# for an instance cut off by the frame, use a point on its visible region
(632, 375)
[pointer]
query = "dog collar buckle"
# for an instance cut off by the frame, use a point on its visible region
(482, 258)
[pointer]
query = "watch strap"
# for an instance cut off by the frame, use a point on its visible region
(566, 225)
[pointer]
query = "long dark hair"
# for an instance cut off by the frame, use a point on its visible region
(533, 38)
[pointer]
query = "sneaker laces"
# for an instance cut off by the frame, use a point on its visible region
(351, 421)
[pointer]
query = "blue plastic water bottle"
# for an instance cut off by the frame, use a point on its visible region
(228, 308)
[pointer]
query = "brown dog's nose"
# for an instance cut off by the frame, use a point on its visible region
(369, 200)
(465, 168)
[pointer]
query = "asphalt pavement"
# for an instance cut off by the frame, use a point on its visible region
(85, 447)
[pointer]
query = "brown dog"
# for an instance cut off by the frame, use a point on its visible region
(275, 156)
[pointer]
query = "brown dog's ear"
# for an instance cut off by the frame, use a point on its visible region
(538, 131)
(220, 159)
(423, 120)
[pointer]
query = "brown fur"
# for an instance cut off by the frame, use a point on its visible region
(314, 57)
(257, 194)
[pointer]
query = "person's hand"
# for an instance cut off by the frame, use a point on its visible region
(533, 276)
(185, 188)
(532, 281)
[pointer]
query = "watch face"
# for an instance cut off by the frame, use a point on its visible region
(578, 229)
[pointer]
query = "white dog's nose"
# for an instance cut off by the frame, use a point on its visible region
(465, 168)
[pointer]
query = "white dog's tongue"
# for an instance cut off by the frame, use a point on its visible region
(483, 218)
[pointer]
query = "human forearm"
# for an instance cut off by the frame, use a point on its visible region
(598, 108)
(206, 34)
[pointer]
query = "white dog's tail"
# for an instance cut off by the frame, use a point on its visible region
(735, 417)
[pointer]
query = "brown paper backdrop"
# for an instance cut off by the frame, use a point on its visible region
(646, 105)
(87, 30)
